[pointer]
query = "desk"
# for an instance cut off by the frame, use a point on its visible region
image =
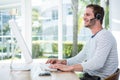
(7, 74)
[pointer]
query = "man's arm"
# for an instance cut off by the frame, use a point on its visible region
(80, 57)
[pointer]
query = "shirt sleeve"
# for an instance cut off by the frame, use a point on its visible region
(81, 56)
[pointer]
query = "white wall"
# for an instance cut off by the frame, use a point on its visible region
(115, 21)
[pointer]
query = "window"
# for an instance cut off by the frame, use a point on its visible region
(8, 44)
(54, 14)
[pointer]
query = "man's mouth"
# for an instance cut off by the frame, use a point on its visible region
(86, 21)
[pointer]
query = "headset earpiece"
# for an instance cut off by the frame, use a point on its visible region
(98, 16)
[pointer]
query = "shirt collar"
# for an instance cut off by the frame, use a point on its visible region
(95, 34)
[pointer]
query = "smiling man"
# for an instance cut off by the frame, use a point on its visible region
(99, 57)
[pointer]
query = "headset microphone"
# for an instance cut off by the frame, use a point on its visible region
(97, 16)
(92, 19)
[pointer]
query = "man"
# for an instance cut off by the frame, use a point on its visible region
(99, 56)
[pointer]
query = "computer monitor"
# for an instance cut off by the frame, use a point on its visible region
(21, 42)
(25, 51)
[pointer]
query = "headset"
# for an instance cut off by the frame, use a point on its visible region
(98, 16)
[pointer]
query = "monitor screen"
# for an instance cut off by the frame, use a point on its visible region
(20, 40)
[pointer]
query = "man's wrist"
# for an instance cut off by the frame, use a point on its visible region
(76, 67)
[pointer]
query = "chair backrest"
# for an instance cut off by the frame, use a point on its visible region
(114, 76)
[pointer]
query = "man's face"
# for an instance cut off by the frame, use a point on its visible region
(88, 17)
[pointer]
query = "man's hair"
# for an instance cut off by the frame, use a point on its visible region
(97, 10)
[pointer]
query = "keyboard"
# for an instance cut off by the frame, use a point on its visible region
(45, 70)
(45, 67)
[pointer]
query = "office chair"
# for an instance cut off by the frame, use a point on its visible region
(114, 76)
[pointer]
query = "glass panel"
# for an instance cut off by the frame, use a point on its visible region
(83, 33)
(8, 44)
(44, 28)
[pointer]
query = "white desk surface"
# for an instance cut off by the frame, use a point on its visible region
(7, 74)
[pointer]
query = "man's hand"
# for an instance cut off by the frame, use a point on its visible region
(62, 67)
(56, 61)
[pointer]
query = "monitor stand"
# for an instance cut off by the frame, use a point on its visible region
(20, 66)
